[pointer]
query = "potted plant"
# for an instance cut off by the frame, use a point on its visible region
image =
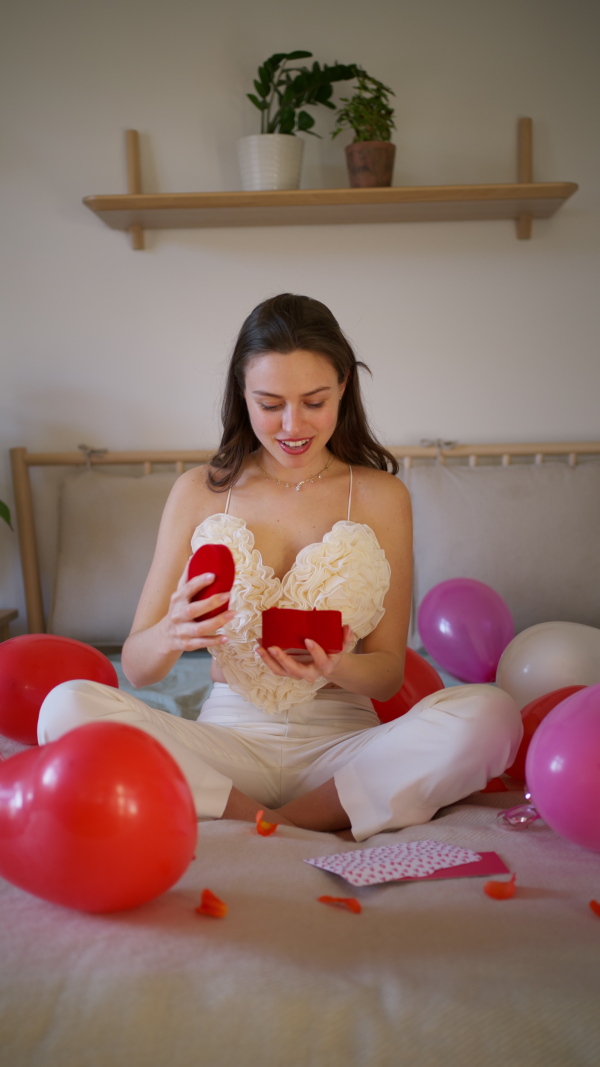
(5, 513)
(272, 159)
(370, 157)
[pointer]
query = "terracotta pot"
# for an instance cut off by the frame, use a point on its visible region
(370, 163)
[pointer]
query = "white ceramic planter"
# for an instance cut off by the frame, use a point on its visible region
(270, 161)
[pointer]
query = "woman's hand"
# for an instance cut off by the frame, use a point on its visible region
(319, 665)
(183, 628)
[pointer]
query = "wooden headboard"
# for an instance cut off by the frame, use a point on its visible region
(22, 461)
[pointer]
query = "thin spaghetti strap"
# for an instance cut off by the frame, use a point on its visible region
(349, 492)
(227, 501)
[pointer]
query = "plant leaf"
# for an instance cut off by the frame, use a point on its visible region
(274, 61)
(5, 513)
(262, 105)
(287, 120)
(305, 121)
(262, 90)
(288, 95)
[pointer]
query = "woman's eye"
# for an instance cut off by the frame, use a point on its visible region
(277, 407)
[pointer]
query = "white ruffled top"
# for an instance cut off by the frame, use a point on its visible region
(347, 571)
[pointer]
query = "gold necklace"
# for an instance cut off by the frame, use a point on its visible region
(295, 485)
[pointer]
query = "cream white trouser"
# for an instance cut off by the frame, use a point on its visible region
(387, 775)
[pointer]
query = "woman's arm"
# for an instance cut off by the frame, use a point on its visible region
(164, 626)
(383, 503)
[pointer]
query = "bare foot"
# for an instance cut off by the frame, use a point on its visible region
(346, 835)
(244, 808)
(272, 815)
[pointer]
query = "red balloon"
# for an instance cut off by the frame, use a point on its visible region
(32, 665)
(420, 679)
(100, 820)
(532, 714)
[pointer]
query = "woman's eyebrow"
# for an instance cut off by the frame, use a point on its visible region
(262, 392)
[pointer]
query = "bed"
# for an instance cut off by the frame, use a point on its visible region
(430, 972)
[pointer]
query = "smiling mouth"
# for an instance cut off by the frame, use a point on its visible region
(295, 447)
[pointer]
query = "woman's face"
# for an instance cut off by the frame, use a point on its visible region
(293, 403)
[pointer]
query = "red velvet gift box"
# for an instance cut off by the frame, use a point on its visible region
(289, 627)
(218, 560)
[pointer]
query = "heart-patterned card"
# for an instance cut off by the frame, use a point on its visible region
(409, 860)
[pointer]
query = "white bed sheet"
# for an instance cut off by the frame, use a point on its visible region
(429, 974)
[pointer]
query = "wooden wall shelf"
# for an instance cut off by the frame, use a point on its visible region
(523, 201)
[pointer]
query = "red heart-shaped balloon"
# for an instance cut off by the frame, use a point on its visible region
(420, 680)
(32, 665)
(217, 560)
(532, 715)
(100, 820)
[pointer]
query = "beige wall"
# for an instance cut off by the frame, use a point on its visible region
(471, 335)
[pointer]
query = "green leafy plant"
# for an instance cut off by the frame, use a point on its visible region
(5, 513)
(282, 91)
(368, 111)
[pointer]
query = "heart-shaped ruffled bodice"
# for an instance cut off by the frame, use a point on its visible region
(347, 571)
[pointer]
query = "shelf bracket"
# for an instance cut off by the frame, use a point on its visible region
(134, 182)
(525, 171)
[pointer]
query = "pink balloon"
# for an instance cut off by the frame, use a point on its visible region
(563, 768)
(465, 625)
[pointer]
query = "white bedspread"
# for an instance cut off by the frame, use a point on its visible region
(430, 974)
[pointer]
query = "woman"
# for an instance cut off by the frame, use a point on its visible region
(301, 493)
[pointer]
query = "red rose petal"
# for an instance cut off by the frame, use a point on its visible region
(501, 890)
(265, 829)
(211, 905)
(350, 903)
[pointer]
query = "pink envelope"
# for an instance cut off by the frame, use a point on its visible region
(489, 863)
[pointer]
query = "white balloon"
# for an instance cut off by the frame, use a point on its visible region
(547, 657)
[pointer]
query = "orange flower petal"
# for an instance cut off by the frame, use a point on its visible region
(350, 903)
(265, 829)
(595, 906)
(495, 785)
(501, 890)
(211, 905)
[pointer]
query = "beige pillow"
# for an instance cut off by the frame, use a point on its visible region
(107, 531)
(531, 532)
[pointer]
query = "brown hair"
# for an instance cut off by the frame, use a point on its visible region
(284, 324)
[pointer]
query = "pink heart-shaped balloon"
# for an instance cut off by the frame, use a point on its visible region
(100, 820)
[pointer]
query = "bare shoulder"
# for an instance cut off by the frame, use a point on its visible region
(382, 502)
(379, 491)
(192, 498)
